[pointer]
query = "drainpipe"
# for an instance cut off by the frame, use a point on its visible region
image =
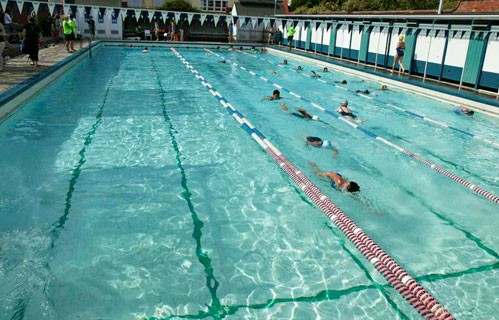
(428, 54)
(377, 48)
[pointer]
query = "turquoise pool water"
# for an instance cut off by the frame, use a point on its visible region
(128, 192)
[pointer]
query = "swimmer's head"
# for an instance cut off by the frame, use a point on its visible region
(470, 112)
(314, 139)
(285, 61)
(325, 69)
(353, 187)
(344, 103)
(401, 38)
(299, 68)
(384, 87)
(276, 93)
(343, 82)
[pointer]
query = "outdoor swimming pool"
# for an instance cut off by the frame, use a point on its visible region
(128, 192)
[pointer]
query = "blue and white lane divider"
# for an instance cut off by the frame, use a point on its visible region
(400, 280)
(487, 194)
(413, 114)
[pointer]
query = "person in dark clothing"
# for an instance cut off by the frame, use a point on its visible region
(91, 27)
(31, 34)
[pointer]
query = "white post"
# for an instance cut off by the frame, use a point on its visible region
(342, 41)
(358, 54)
(350, 44)
(462, 76)
(462, 73)
(377, 49)
(322, 38)
(427, 58)
(295, 40)
(315, 43)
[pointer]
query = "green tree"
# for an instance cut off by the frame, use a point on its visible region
(178, 5)
(323, 6)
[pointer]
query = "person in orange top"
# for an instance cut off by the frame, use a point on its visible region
(338, 182)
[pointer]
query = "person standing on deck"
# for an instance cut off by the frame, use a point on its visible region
(3, 39)
(399, 54)
(291, 33)
(91, 27)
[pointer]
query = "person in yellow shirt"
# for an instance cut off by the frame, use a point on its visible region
(68, 34)
(291, 33)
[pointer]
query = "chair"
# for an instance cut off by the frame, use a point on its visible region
(147, 34)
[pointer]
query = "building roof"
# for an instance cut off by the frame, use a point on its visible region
(261, 8)
(482, 6)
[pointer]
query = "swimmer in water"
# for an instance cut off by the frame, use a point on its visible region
(276, 95)
(465, 111)
(363, 91)
(338, 182)
(319, 143)
(315, 74)
(302, 113)
(344, 111)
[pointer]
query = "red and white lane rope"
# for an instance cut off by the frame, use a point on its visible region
(398, 278)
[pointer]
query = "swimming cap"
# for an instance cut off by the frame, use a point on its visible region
(344, 102)
(401, 38)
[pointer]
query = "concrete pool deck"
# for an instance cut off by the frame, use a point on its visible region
(17, 69)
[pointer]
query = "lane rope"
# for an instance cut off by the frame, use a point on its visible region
(398, 278)
(408, 112)
(484, 193)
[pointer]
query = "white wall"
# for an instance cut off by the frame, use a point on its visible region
(327, 36)
(490, 63)
(435, 51)
(300, 34)
(343, 37)
(317, 37)
(356, 38)
(381, 37)
(456, 52)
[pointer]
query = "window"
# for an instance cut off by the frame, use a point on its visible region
(214, 5)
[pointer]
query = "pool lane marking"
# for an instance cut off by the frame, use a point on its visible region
(422, 117)
(203, 258)
(484, 193)
(413, 292)
(77, 170)
(308, 187)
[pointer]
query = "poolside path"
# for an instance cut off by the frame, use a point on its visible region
(17, 69)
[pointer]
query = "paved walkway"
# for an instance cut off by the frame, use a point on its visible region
(18, 69)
